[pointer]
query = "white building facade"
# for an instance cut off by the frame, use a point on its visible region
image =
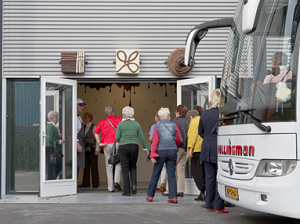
(36, 32)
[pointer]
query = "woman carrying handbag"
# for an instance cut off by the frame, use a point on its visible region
(108, 127)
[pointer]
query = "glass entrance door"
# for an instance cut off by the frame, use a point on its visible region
(191, 93)
(58, 173)
(195, 92)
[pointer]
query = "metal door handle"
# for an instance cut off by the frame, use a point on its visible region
(44, 137)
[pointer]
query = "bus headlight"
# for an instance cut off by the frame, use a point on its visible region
(274, 168)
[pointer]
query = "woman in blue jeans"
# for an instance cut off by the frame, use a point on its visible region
(165, 145)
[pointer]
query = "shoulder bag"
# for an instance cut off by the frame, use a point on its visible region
(114, 157)
(55, 155)
(169, 131)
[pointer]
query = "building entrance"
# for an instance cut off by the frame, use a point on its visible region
(23, 111)
(145, 98)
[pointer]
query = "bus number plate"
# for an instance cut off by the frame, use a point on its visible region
(232, 192)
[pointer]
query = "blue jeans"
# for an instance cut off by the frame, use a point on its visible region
(168, 156)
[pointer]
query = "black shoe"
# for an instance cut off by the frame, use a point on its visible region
(123, 194)
(203, 206)
(134, 190)
(198, 198)
(117, 185)
(227, 204)
(95, 186)
(201, 197)
(180, 194)
(82, 185)
(79, 190)
(111, 191)
(165, 194)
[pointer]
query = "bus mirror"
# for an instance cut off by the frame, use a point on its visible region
(192, 42)
(198, 33)
(251, 13)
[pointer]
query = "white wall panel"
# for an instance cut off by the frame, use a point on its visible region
(35, 32)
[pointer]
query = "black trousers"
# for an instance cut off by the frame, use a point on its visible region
(197, 170)
(128, 155)
(212, 198)
(91, 164)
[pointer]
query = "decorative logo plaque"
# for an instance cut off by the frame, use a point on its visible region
(127, 62)
(73, 62)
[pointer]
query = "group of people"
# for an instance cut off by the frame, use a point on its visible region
(117, 134)
(188, 136)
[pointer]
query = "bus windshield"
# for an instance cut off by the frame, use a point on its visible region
(260, 69)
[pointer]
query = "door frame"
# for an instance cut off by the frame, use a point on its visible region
(5, 151)
(4, 136)
(201, 79)
(190, 186)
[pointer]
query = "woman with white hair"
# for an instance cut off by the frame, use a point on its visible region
(108, 127)
(54, 165)
(209, 155)
(127, 135)
(165, 146)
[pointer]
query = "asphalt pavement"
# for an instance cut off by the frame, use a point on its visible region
(99, 206)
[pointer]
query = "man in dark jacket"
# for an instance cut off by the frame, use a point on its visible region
(183, 125)
(209, 155)
(80, 140)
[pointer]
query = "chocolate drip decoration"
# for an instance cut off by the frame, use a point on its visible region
(180, 66)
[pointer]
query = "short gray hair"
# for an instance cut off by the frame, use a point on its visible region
(52, 114)
(128, 111)
(193, 113)
(163, 112)
(109, 110)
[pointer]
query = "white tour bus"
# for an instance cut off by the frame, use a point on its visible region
(258, 152)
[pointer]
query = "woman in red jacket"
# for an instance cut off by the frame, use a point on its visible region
(108, 127)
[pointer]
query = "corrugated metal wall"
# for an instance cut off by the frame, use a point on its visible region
(35, 32)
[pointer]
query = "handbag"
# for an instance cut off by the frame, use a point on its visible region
(88, 147)
(114, 157)
(55, 155)
(148, 157)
